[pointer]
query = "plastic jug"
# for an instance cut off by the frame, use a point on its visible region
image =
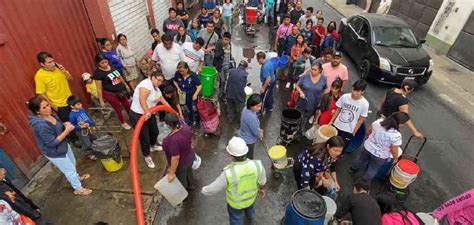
(174, 192)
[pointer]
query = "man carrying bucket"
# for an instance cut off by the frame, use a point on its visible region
(243, 179)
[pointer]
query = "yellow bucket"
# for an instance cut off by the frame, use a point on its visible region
(111, 165)
(277, 154)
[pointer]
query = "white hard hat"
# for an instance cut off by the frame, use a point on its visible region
(86, 76)
(248, 90)
(237, 147)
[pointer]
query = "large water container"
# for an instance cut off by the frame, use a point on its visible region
(306, 207)
(174, 192)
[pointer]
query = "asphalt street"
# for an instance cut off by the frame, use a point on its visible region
(446, 160)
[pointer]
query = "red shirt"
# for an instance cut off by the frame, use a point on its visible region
(316, 38)
(326, 116)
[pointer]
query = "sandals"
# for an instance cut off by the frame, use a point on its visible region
(83, 192)
(84, 177)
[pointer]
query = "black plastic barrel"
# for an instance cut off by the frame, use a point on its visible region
(291, 120)
(307, 207)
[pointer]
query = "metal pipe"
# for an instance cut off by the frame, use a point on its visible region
(137, 191)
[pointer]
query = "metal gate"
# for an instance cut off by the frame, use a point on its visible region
(461, 50)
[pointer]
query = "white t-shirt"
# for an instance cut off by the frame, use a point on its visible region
(153, 97)
(191, 56)
(168, 59)
(380, 140)
(351, 111)
(227, 9)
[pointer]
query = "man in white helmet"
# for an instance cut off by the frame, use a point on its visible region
(243, 180)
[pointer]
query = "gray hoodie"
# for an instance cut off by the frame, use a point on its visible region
(171, 26)
(46, 133)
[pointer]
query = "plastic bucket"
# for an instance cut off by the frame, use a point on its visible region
(427, 218)
(277, 154)
(275, 62)
(174, 192)
(271, 55)
(325, 132)
(331, 208)
(208, 78)
(283, 61)
(111, 165)
(291, 120)
(404, 173)
(385, 168)
(306, 207)
(248, 91)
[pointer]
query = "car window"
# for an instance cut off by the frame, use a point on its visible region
(355, 22)
(364, 30)
(395, 37)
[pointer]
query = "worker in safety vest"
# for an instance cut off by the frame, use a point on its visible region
(243, 179)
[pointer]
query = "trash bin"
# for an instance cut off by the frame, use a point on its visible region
(208, 78)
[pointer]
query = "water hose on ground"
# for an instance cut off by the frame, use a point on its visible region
(137, 192)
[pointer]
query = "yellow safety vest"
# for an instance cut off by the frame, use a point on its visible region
(242, 183)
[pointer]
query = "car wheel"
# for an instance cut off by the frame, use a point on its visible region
(364, 69)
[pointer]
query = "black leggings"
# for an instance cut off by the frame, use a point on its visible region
(148, 133)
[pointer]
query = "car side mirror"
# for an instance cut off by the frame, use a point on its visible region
(422, 41)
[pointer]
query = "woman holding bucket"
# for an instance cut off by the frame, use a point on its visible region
(250, 124)
(384, 138)
(310, 87)
(313, 162)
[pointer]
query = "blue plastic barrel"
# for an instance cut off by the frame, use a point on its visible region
(306, 207)
(275, 61)
(283, 61)
(356, 141)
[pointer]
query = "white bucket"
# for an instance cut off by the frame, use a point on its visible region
(401, 179)
(248, 91)
(270, 55)
(331, 208)
(174, 192)
(325, 132)
(427, 218)
(277, 154)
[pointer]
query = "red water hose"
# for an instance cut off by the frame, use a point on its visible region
(137, 191)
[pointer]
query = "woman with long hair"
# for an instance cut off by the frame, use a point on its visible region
(313, 162)
(111, 54)
(393, 211)
(182, 36)
(51, 136)
(307, 31)
(194, 28)
(128, 60)
(327, 104)
(384, 139)
(111, 87)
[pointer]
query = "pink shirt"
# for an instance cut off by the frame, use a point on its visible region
(397, 219)
(283, 31)
(332, 73)
(458, 210)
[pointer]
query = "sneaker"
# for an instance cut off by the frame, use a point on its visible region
(287, 85)
(126, 126)
(156, 148)
(149, 162)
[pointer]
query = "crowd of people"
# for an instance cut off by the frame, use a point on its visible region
(315, 74)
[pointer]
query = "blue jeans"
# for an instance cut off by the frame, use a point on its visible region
(268, 97)
(236, 216)
(228, 22)
(191, 110)
(67, 165)
(369, 164)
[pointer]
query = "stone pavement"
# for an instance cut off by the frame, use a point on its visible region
(451, 82)
(112, 198)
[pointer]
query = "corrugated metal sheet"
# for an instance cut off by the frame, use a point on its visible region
(60, 27)
(160, 9)
(130, 18)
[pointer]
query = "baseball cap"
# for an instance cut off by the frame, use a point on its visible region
(337, 53)
(86, 76)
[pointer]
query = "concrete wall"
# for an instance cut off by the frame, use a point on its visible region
(448, 23)
(130, 18)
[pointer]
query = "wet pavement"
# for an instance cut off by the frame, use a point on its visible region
(445, 162)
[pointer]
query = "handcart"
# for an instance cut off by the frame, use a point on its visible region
(277, 155)
(405, 171)
(250, 20)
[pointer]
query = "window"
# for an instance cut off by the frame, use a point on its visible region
(355, 22)
(364, 31)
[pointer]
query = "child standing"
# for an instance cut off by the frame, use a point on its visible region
(91, 88)
(82, 123)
